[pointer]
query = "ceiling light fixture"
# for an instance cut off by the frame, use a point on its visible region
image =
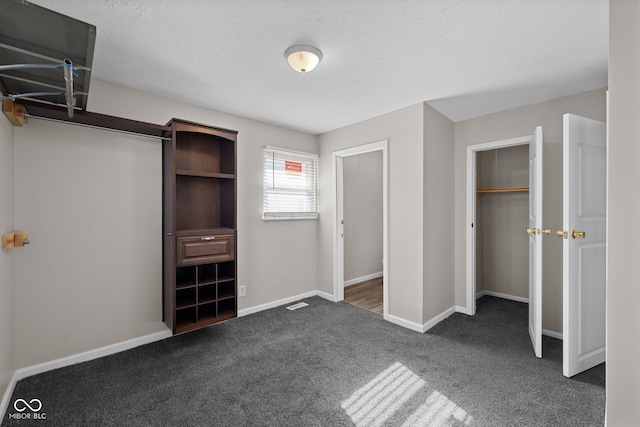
(303, 58)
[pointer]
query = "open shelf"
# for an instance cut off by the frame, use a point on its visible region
(205, 174)
(203, 153)
(203, 203)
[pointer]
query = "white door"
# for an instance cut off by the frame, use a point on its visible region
(584, 244)
(535, 241)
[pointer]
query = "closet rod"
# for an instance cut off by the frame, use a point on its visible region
(481, 191)
(84, 125)
(50, 111)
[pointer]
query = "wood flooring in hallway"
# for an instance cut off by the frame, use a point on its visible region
(367, 294)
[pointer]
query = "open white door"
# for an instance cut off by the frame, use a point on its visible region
(535, 241)
(584, 246)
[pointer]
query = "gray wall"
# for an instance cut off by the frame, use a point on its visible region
(7, 257)
(515, 123)
(623, 291)
(91, 200)
(362, 215)
(438, 204)
(502, 257)
(403, 129)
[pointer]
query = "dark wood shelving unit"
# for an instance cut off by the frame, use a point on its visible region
(199, 221)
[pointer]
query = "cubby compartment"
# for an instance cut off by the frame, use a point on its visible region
(185, 277)
(226, 271)
(207, 273)
(185, 297)
(185, 317)
(227, 307)
(206, 293)
(226, 289)
(207, 312)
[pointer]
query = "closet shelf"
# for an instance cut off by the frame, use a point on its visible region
(481, 191)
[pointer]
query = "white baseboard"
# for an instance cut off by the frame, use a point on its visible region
(503, 296)
(326, 296)
(437, 319)
(362, 279)
(77, 358)
(418, 327)
(461, 309)
(552, 334)
(277, 303)
(7, 394)
(91, 354)
(404, 323)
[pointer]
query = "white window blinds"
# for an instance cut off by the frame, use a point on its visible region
(290, 184)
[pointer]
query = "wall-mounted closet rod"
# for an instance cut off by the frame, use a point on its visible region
(99, 127)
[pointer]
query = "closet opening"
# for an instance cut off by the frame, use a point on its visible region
(502, 216)
(497, 201)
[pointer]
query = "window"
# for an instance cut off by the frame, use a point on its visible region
(290, 184)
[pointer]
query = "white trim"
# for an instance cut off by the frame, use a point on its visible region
(283, 301)
(7, 394)
(437, 319)
(75, 359)
(338, 242)
(460, 309)
(91, 354)
(404, 323)
(552, 334)
(471, 211)
(418, 327)
(286, 150)
(362, 279)
(503, 296)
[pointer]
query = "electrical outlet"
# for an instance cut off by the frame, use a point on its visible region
(242, 290)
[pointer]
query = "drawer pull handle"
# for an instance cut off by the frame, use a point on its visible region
(208, 238)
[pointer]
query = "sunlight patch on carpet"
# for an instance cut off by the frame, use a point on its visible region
(437, 410)
(375, 402)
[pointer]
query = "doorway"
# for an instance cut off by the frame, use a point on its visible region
(362, 210)
(339, 217)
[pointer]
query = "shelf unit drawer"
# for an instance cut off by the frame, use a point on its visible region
(205, 249)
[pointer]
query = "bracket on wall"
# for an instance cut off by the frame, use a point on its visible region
(16, 113)
(15, 239)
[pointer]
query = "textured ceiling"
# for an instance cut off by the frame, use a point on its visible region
(466, 58)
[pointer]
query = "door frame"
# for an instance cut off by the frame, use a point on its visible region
(470, 226)
(338, 215)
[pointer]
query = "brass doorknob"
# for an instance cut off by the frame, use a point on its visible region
(580, 234)
(560, 233)
(546, 231)
(531, 231)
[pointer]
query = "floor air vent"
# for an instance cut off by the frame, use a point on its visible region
(298, 305)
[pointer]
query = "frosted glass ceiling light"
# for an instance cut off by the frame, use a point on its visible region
(303, 58)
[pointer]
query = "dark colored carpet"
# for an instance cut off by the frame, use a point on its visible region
(328, 364)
